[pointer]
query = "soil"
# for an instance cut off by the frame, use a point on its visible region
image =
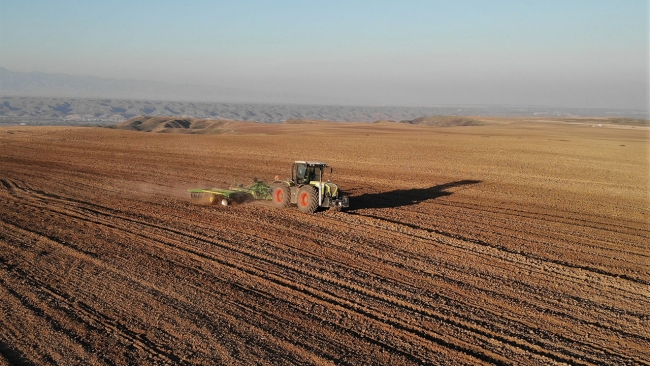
(514, 243)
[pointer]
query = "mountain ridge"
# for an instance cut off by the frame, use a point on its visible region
(76, 111)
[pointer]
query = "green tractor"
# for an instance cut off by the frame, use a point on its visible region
(307, 190)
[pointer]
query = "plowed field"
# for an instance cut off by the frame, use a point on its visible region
(521, 243)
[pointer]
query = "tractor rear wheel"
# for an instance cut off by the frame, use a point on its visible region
(281, 196)
(307, 199)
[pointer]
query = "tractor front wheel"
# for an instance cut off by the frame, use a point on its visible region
(307, 199)
(281, 196)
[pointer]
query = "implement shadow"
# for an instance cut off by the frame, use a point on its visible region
(405, 197)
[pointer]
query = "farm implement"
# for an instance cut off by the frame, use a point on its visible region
(306, 189)
(235, 194)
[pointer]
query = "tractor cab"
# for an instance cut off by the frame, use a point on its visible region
(304, 172)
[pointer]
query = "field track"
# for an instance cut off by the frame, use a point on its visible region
(508, 244)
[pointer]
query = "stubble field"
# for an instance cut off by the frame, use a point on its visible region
(513, 243)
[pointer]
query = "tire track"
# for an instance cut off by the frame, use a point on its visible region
(337, 284)
(512, 251)
(332, 299)
(153, 242)
(92, 317)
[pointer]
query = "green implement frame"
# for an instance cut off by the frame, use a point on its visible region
(234, 194)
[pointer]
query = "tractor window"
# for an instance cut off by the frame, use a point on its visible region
(301, 169)
(311, 174)
(306, 174)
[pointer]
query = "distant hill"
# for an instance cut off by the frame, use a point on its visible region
(300, 121)
(94, 111)
(167, 124)
(445, 121)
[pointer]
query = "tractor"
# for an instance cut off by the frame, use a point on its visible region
(307, 190)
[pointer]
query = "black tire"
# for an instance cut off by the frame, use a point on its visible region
(307, 199)
(281, 196)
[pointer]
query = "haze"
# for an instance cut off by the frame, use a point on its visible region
(586, 54)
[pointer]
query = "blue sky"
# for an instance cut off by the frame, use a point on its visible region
(560, 53)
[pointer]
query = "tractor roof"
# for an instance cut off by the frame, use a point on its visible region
(313, 163)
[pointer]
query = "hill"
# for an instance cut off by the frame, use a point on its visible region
(75, 111)
(168, 124)
(445, 121)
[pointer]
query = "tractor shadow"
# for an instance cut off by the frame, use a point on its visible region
(405, 197)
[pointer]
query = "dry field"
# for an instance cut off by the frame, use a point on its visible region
(513, 243)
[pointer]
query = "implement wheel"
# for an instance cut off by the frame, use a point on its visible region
(281, 196)
(218, 199)
(307, 199)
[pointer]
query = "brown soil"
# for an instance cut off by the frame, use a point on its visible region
(518, 243)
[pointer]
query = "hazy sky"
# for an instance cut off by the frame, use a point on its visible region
(569, 53)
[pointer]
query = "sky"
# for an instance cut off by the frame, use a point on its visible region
(569, 53)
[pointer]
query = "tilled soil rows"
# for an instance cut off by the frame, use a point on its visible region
(505, 244)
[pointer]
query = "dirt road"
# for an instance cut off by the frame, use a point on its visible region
(507, 244)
